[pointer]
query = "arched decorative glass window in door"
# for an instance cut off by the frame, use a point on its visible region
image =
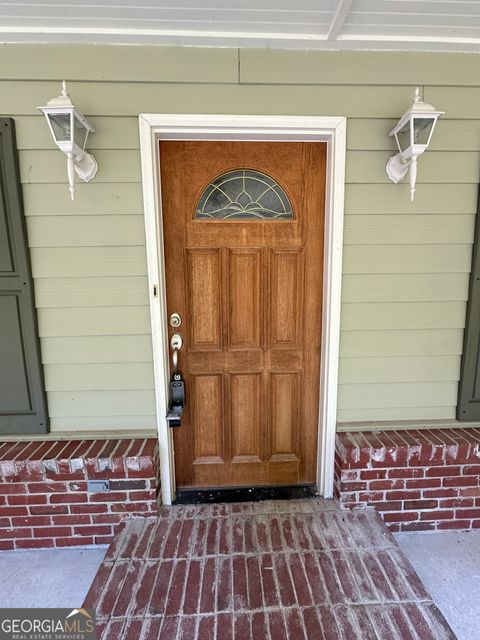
(243, 194)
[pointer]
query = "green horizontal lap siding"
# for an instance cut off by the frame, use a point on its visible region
(55, 262)
(101, 63)
(428, 368)
(403, 315)
(405, 265)
(461, 102)
(86, 231)
(411, 287)
(460, 167)
(40, 167)
(345, 417)
(372, 134)
(91, 199)
(446, 199)
(399, 259)
(93, 349)
(72, 404)
(315, 67)
(98, 376)
(93, 424)
(382, 344)
(91, 292)
(93, 321)
(122, 133)
(385, 395)
(407, 230)
(127, 99)
(101, 349)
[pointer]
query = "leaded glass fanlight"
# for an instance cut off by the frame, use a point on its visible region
(244, 194)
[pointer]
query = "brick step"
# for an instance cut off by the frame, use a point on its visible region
(276, 570)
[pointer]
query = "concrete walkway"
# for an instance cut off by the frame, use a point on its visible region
(291, 570)
(449, 565)
(47, 577)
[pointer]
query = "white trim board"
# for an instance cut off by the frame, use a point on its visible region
(155, 127)
(333, 40)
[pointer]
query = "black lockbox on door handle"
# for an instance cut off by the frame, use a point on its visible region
(176, 400)
(176, 403)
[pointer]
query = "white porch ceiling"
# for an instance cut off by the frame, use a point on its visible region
(432, 25)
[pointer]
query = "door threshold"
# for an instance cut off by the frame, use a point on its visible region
(245, 494)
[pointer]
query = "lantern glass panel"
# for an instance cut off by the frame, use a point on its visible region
(403, 137)
(60, 123)
(422, 128)
(79, 133)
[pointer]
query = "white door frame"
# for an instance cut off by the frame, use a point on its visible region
(155, 127)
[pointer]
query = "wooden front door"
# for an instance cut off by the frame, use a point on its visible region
(243, 231)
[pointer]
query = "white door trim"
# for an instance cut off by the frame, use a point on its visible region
(155, 127)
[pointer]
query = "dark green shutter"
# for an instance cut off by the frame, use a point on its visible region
(469, 389)
(23, 405)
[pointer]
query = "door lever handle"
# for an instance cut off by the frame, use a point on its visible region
(176, 343)
(177, 386)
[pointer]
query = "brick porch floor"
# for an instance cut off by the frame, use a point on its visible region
(274, 570)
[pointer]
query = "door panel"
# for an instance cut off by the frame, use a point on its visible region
(249, 290)
(205, 326)
(207, 412)
(244, 296)
(285, 412)
(286, 283)
(245, 417)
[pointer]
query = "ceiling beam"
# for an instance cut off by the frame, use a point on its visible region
(339, 18)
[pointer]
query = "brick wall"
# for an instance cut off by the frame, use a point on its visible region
(418, 480)
(44, 500)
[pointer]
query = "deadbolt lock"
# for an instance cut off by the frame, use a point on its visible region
(175, 320)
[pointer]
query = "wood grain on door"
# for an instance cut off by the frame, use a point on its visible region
(249, 291)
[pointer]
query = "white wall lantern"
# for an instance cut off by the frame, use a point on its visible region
(70, 131)
(413, 134)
